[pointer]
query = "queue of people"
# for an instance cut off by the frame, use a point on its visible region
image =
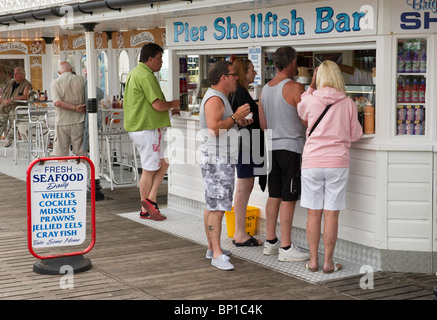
(308, 163)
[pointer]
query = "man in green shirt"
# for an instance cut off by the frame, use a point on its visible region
(146, 117)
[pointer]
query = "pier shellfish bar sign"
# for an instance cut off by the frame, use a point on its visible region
(58, 204)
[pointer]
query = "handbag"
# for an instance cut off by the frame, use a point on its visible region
(320, 118)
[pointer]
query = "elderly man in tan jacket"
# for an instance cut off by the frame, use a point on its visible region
(69, 100)
(16, 89)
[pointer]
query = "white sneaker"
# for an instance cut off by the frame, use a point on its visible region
(270, 249)
(292, 254)
(209, 253)
(222, 263)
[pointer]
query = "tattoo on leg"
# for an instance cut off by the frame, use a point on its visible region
(210, 228)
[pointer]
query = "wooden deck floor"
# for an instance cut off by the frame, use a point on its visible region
(134, 262)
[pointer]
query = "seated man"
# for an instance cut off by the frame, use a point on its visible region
(16, 89)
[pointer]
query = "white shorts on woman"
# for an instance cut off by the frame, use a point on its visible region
(151, 146)
(324, 188)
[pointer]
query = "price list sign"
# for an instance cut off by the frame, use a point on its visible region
(58, 204)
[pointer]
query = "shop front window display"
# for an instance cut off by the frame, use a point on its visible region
(411, 86)
(364, 97)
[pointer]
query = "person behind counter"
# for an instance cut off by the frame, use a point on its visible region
(278, 113)
(325, 158)
(219, 154)
(246, 171)
(16, 89)
(356, 76)
(146, 118)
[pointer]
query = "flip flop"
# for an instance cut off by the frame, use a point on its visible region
(307, 266)
(146, 216)
(251, 242)
(337, 267)
(152, 210)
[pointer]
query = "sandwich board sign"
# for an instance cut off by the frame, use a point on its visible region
(57, 204)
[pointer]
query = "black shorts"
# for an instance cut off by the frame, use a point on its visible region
(249, 169)
(284, 177)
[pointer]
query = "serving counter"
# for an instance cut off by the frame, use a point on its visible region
(389, 214)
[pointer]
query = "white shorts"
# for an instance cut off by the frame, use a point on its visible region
(324, 188)
(151, 146)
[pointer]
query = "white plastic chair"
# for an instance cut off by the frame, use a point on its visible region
(120, 151)
(50, 125)
(21, 117)
(35, 132)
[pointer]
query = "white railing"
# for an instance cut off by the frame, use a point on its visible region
(17, 6)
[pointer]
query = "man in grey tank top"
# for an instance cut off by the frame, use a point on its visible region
(278, 113)
(218, 154)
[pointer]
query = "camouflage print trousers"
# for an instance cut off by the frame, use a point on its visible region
(218, 180)
(4, 117)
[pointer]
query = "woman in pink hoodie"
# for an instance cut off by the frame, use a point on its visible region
(325, 158)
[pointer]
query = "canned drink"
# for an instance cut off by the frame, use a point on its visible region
(402, 113)
(410, 114)
(401, 128)
(409, 129)
(419, 129)
(419, 113)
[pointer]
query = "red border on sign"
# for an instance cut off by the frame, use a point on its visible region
(29, 208)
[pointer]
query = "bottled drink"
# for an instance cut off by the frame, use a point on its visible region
(114, 103)
(422, 90)
(407, 91)
(415, 62)
(369, 119)
(181, 63)
(415, 92)
(400, 91)
(422, 64)
(184, 85)
(401, 62)
(408, 62)
(45, 95)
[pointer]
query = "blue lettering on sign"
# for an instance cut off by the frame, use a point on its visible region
(268, 25)
(423, 5)
(57, 177)
(413, 21)
(243, 30)
(294, 20)
(324, 15)
(410, 23)
(219, 28)
(194, 33)
(325, 22)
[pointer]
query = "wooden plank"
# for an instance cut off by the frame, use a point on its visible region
(133, 261)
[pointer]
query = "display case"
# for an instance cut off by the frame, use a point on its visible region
(364, 97)
(183, 82)
(411, 86)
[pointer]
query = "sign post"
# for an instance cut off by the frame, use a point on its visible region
(56, 211)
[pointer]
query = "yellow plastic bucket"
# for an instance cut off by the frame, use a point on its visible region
(251, 215)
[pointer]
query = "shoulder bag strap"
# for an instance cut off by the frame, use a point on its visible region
(320, 118)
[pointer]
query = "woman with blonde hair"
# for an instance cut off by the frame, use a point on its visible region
(246, 166)
(325, 158)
